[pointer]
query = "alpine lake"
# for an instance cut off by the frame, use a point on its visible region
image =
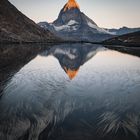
(69, 92)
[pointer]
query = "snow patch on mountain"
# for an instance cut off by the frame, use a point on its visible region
(72, 22)
(70, 26)
(101, 30)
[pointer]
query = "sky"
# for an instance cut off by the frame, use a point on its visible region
(106, 13)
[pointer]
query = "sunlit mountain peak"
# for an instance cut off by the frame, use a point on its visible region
(71, 4)
(71, 73)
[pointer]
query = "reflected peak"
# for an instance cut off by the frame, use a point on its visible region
(71, 73)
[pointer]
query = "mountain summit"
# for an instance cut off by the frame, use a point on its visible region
(71, 4)
(72, 24)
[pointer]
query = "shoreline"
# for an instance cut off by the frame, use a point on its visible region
(70, 42)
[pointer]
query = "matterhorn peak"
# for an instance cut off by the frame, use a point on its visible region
(72, 24)
(71, 4)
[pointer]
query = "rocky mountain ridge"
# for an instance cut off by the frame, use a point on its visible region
(16, 27)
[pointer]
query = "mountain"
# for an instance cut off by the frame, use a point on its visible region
(127, 39)
(72, 24)
(16, 27)
(123, 30)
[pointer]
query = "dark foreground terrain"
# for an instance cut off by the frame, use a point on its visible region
(131, 39)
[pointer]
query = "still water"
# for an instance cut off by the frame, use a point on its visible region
(69, 92)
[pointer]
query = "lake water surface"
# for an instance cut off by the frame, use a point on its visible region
(69, 92)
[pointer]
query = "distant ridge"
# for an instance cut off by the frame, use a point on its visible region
(123, 30)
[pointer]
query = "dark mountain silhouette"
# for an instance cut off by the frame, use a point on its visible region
(132, 39)
(16, 27)
(75, 25)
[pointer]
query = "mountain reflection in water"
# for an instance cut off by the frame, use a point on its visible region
(69, 92)
(73, 56)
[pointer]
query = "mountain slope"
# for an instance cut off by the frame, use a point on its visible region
(75, 25)
(128, 39)
(16, 27)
